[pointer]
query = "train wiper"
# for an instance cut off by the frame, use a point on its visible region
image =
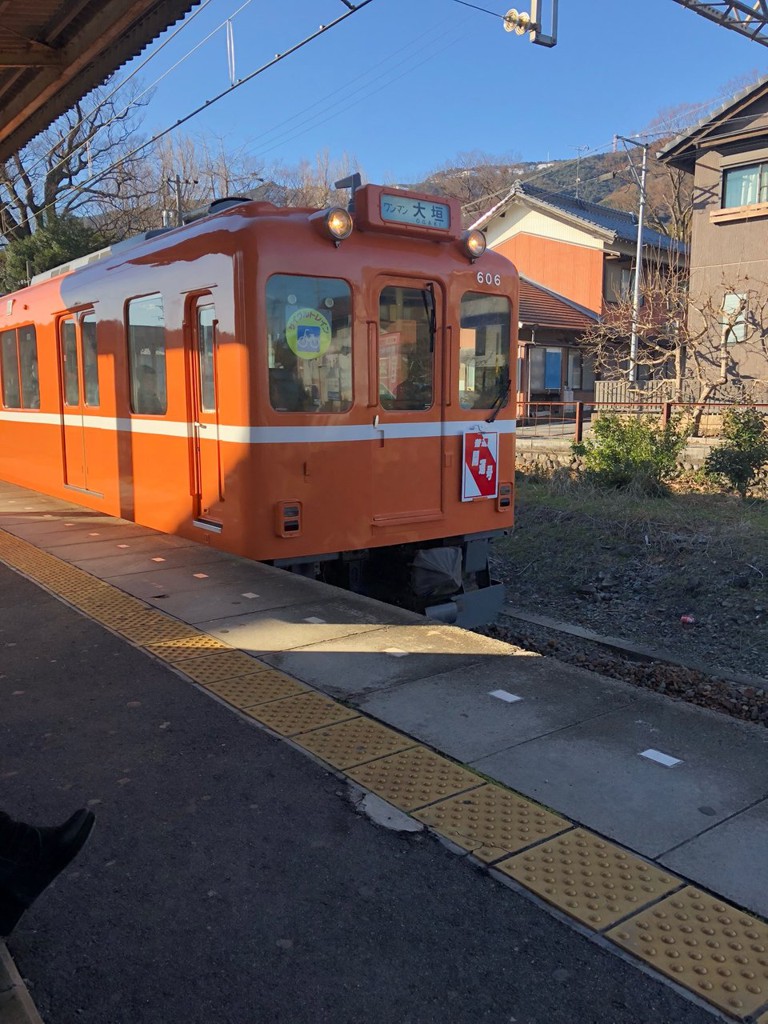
(501, 398)
(428, 294)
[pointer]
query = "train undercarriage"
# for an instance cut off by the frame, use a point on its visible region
(448, 580)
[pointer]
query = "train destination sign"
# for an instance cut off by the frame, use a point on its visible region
(421, 212)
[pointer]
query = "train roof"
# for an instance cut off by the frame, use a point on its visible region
(217, 206)
(381, 209)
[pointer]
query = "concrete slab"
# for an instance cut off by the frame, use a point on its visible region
(50, 534)
(16, 501)
(360, 664)
(730, 859)
(228, 583)
(119, 546)
(22, 516)
(455, 712)
(167, 586)
(594, 773)
(126, 562)
(300, 625)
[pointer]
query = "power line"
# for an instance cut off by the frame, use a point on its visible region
(49, 152)
(476, 8)
(215, 99)
(289, 134)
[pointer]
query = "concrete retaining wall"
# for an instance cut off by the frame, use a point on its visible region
(544, 456)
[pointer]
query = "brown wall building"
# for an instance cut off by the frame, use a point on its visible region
(727, 153)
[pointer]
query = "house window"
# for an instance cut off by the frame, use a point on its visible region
(744, 186)
(545, 368)
(619, 283)
(574, 370)
(734, 317)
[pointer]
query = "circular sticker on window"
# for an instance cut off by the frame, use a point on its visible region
(308, 333)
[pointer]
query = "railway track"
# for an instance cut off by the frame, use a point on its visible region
(741, 695)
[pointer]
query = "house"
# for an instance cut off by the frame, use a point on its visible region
(727, 154)
(551, 365)
(582, 255)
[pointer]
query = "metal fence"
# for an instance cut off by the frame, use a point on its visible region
(572, 421)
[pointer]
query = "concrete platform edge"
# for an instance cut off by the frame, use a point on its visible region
(16, 1005)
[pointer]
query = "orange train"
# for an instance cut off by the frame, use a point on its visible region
(327, 391)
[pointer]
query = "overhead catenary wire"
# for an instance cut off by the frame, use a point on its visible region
(134, 102)
(346, 103)
(215, 99)
(121, 84)
(601, 150)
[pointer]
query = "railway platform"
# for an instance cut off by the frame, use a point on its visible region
(639, 821)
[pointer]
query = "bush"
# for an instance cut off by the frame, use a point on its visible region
(632, 452)
(745, 451)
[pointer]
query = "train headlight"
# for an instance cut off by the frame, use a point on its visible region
(339, 223)
(473, 243)
(336, 223)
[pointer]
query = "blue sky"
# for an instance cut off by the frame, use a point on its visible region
(405, 85)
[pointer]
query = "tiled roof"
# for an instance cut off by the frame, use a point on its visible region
(615, 224)
(545, 308)
(678, 151)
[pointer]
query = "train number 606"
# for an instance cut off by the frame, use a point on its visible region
(488, 278)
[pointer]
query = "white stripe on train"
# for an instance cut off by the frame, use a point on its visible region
(264, 435)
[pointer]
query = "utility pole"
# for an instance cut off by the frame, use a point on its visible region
(579, 151)
(176, 184)
(638, 253)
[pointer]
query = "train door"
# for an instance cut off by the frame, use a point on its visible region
(79, 382)
(207, 484)
(407, 458)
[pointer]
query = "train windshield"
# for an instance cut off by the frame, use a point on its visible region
(406, 347)
(309, 331)
(484, 380)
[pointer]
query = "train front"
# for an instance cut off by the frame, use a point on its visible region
(391, 338)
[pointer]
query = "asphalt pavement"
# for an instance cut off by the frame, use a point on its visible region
(230, 877)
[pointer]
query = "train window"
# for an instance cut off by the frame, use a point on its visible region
(146, 355)
(69, 362)
(309, 324)
(484, 380)
(406, 349)
(90, 359)
(10, 356)
(18, 356)
(206, 319)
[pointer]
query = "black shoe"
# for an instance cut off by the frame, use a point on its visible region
(37, 857)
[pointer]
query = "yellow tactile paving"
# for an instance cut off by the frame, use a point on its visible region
(295, 715)
(213, 666)
(414, 778)
(762, 1019)
(354, 742)
(712, 948)
(184, 645)
(260, 686)
(492, 822)
(589, 878)
(141, 627)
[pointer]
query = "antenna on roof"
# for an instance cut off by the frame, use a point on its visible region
(353, 182)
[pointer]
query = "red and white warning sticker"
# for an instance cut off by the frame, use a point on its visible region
(480, 478)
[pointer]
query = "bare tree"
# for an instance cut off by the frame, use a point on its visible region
(476, 179)
(310, 183)
(687, 340)
(80, 165)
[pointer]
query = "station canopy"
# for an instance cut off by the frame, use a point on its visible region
(53, 52)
